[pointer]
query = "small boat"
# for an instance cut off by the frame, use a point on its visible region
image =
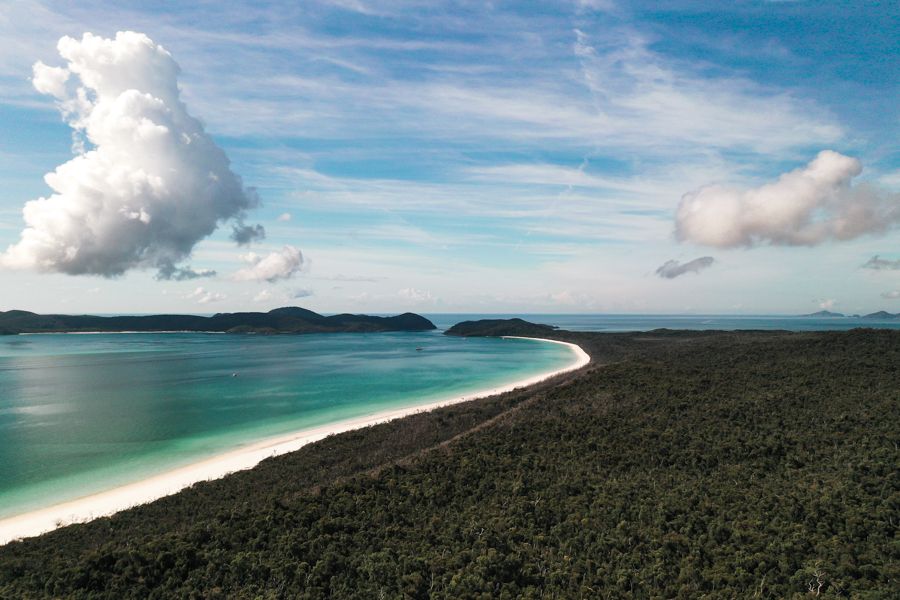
(419, 349)
(234, 374)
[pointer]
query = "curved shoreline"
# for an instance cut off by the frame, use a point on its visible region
(108, 502)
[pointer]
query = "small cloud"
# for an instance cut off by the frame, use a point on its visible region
(415, 295)
(284, 217)
(245, 235)
(571, 298)
(880, 264)
(893, 295)
(672, 268)
(50, 80)
(169, 272)
(804, 207)
(280, 295)
(361, 298)
(827, 304)
(263, 296)
(203, 296)
(281, 264)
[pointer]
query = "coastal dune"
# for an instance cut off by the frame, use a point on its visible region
(141, 492)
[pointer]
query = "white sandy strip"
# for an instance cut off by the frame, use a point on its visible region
(147, 490)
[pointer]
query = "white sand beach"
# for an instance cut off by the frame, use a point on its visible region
(141, 492)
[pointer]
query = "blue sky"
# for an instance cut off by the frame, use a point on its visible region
(501, 157)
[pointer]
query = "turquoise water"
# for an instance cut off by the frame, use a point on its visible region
(84, 413)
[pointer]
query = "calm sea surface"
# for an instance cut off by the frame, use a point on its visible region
(696, 322)
(84, 413)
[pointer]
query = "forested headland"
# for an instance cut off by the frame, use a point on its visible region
(288, 319)
(675, 465)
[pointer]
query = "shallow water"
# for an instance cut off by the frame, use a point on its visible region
(80, 413)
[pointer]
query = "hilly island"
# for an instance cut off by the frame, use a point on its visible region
(292, 319)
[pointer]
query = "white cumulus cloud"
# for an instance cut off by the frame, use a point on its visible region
(672, 268)
(50, 80)
(806, 206)
(281, 264)
(827, 304)
(204, 296)
(147, 182)
(415, 295)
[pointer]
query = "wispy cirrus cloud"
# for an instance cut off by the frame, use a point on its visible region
(646, 99)
(610, 93)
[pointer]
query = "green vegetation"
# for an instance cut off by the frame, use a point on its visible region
(290, 319)
(498, 327)
(677, 465)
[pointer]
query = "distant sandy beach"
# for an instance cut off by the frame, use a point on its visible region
(144, 491)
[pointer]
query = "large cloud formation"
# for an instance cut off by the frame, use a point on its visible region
(147, 182)
(672, 268)
(806, 206)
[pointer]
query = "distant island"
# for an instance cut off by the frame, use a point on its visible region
(827, 314)
(500, 327)
(291, 319)
(881, 314)
(824, 314)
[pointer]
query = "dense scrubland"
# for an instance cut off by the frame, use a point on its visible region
(676, 465)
